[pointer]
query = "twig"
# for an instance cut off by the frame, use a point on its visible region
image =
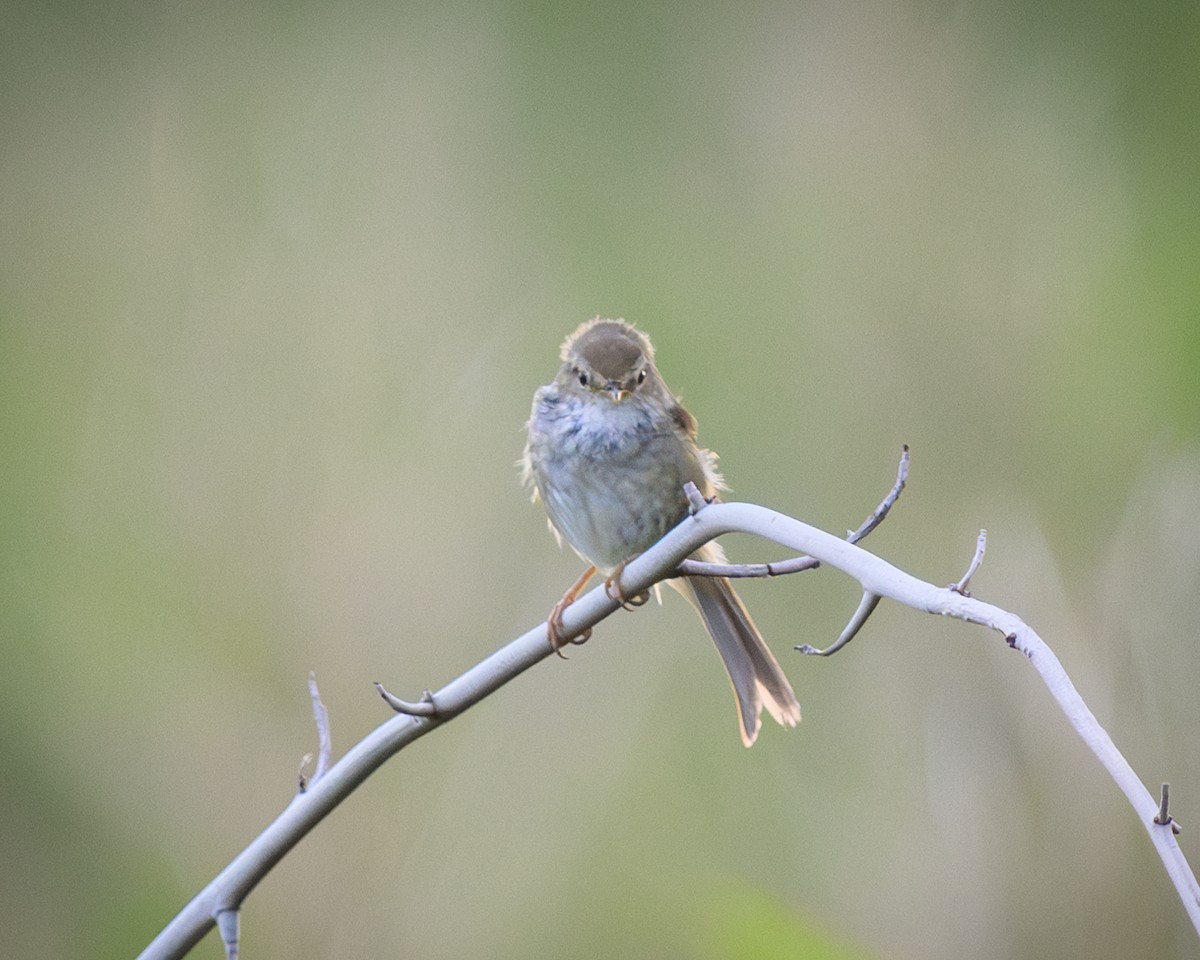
(869, 600)
(1164, 818)
(230, 887)
(980, 549)
(866, 607)
(881, 511)
(229, 928)
(324, 741)
(425, 707)
(740, 571)
(780, 568)
(696, 500)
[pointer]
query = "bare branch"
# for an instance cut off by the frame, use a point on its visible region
(229, 927)
(324, 741)
(1164, 818)
(866, 607)
(980, 549)
(881, 511)
(736, 571)
(780, 568)
(876, 576)
(696, 499)
(425, 707)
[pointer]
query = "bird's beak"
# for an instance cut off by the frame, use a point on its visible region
(613, 389)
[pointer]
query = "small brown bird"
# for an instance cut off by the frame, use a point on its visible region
(609, 450)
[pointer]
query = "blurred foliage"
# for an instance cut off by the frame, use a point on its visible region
(744, 923)
(276, 284)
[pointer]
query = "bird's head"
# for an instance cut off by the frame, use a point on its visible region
(608, 358)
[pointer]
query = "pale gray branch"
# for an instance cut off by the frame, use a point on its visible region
(973, 566)
(425, 707)
(1164, 817)
(877, 577)
(229, 927)
(866, 607)
(881, 511)
(780, 568)
(324, 737)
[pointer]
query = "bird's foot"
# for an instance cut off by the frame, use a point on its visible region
(555, 632)
(612, 589)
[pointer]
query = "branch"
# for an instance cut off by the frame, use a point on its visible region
(973, 566)
(779, 568)
(866, 607)
(324, 742)
(230, 887)
(881, 511)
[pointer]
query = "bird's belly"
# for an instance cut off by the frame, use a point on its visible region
(613, 505)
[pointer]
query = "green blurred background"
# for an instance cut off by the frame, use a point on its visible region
(277, 282)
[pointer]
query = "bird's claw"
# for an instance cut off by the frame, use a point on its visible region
(612, 590)
(555, 631)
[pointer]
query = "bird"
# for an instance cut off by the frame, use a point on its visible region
(609, 449)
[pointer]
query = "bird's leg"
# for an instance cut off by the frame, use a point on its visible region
(554, 624)
(612, 588)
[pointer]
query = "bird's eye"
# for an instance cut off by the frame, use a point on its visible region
(641, 378)
(582, 379)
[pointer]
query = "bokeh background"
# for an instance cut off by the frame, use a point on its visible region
(277, 282)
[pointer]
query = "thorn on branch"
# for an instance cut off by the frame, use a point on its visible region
(1164, 818)
(980, 549)
(425, 707)
(866, 607)
(228, 923)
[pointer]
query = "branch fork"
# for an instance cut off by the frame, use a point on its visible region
(697, 568)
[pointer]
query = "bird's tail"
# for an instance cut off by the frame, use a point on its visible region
(758, 681)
